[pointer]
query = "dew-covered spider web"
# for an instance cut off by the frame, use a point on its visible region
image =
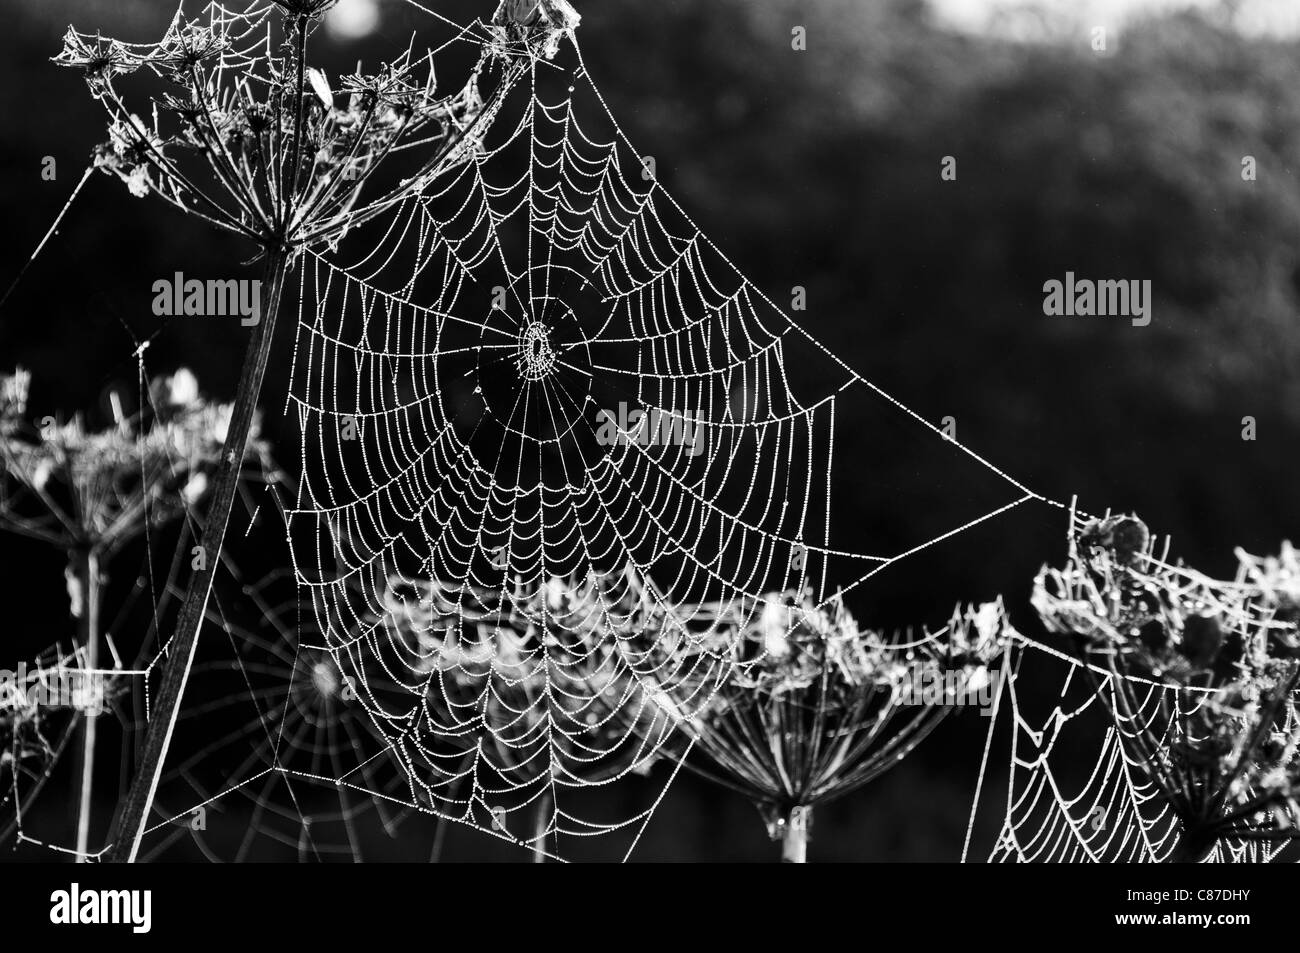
(548, 432)
(1076, 786)
(1103, 759)
(544, 420)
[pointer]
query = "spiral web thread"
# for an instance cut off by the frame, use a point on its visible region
(549, 432)
(580, 428)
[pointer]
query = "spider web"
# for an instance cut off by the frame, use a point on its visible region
(1084, 781)
(277, 746)
(1113, 812)
(549, 431)
(541, 414)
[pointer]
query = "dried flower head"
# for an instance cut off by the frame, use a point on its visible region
(814, 706)
(253, 139)
(129, 153)
(1222, 748)
(79, 488)
(14, 389)
(527, 682)
(528, 22)
(99, 58)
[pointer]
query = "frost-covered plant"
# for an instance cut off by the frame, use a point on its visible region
(815, 707)
(525, 687)
(257, 142)
(89, 492)
(523, 21)
(1221, 743)
(254, 140)
(40, 707)
(95, 490)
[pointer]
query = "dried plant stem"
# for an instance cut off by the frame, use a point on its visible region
(794, 844)
(86, 563)
(133, 814)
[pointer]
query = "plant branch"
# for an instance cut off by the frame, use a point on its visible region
(133, 814)
(87, 570)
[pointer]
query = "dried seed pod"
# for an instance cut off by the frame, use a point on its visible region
(1154, 636)
(1202, 639)
(1129, 537)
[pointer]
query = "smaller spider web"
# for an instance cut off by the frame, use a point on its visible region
(272, 760)
(1077, 788)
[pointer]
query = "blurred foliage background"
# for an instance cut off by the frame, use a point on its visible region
(821, 169)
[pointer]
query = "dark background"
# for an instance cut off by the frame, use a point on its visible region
(821, 169)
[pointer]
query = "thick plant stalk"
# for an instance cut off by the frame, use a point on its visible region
(87, 572)
(133, 814)
(794, 844)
